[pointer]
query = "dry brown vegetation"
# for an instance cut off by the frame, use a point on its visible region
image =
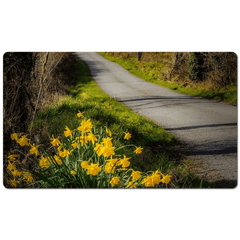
(32, 80)
(207, 70)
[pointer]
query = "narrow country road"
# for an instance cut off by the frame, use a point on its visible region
(209, 128)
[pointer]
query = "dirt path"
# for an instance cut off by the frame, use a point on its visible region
(208, 128)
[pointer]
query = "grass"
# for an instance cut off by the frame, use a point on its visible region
(103, 110)
(151, 72)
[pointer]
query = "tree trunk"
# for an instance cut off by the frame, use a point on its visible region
(139, 55)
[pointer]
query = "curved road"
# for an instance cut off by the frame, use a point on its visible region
(209, 128)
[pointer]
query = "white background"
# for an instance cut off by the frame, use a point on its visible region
(105, 25)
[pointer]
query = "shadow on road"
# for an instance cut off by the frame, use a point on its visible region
(225, 183)
(94, 67)
(160, 98)
(161, 101)
(202, 126)
(224, 151)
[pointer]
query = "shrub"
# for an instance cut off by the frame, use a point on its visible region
(194, 66)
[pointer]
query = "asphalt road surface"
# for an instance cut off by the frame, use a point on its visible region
(208, 127)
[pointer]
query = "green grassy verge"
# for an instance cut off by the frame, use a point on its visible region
(151, 72)
(103, 110)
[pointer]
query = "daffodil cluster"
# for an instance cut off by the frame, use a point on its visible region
(84, 157)
(18, 176)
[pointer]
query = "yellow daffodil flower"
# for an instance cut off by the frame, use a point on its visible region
(109, 167)
(156, 178)
(13, 182)
(147, 181)
(16, 173)
(98, 149)
(84, 164)
(75, 145)
(108, 151)
(68, 132)
(79, 114)
(55, 141)
(91, 137)
(64, 153)
(138, 150)
(86, 126)
(27, 176)
(59, 148)
(166, 179)
(14, 136)
(44, 162)
(93, 169)
(136, 175)
(23, 141)
(124, 162)
(34, 149)
(114, 181)
(57, 159)
(127, 136)
(73, 172)
(107, 142)
(12, 157)
(112, 160)
(11, 166)
(151, 181)
(84, 139)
